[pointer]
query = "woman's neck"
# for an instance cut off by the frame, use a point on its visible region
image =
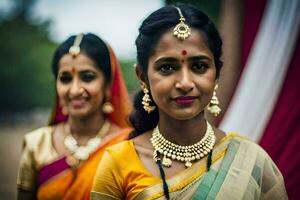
(86, 127)
(182, 132)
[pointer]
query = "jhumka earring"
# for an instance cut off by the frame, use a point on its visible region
(146, 101)
(107, 108)
(213, 106)
(75, 48)
(181, 30)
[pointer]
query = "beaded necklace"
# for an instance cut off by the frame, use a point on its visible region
(186, 154)
(80, 153)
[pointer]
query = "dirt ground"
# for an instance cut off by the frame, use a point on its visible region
(10, 151)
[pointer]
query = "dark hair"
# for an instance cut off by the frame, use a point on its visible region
(93, 47)
(150, 32)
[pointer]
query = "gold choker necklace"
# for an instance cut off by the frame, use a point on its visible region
(79, 153)
(186, 154)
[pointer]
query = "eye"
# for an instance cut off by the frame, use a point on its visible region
(65, 78)
(87, 76)
(166, 68)
(199, 67)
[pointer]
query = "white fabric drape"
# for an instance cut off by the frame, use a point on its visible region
(264, 73)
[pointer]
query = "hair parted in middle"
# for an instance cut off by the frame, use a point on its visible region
(150, 32)
(93, 47)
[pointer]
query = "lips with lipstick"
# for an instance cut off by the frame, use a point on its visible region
(185, 100)
(78, 102)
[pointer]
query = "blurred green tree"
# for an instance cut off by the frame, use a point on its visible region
(25, 58)
(129, 75)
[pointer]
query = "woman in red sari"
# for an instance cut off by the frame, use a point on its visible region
(59, 161)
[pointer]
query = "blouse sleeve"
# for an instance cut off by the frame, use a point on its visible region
(108, 179)
(272, 182)
(26, 179)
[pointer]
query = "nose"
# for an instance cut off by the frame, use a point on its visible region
(75, 88)
(185, 82)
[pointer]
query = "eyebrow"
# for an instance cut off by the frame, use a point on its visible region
(194, 58)
(200, 57)
(87, 71)
(166, 59)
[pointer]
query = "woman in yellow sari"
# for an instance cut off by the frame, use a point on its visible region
(60, 160)
(174, 152)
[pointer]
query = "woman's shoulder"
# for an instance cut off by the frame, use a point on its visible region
(120, 149)
(245, 142)
(37, 136)
(39, 133)
(38, 146)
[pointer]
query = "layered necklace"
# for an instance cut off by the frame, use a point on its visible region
(185, 154)
(80, 153)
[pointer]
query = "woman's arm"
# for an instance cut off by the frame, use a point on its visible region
(25, 195)
(26, 180)
(107, 181)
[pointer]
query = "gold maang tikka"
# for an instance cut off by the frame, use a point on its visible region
(181, 30)
(75, 48)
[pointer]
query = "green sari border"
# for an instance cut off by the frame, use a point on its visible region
(188, 175)
(213, 180)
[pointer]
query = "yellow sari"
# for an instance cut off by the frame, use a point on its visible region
(240, 170)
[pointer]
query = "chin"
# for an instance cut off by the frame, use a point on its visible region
(79, 113)
(183, 115)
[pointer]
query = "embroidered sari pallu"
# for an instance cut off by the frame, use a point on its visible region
(237, 172)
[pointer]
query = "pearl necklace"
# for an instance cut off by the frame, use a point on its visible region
(180, 153)
(79, 153)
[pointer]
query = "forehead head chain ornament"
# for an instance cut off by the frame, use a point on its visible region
(181, 30)
(75, 48)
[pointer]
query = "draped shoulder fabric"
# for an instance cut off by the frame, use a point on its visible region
(42, 169)
(240, 170)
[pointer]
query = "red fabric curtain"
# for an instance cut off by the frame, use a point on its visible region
(253, 12)
(281, 138)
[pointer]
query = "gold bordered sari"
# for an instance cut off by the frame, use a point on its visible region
(44, 172)
(42, 169)
(240, 170)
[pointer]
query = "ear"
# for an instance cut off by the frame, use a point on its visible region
(141, 76)
(107, 92)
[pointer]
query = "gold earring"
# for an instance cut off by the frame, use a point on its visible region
(213, 106)
(107, 108)
(146, 101)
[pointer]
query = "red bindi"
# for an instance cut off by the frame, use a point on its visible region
(182, 61)
(73, 70)
(183, 52)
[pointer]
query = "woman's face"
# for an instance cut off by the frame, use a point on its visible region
(181, 75)
(80, 85)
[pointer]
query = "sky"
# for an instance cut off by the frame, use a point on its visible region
(115, 21)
